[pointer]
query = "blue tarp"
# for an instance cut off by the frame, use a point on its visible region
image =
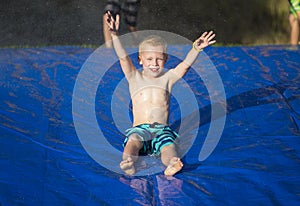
(256, 161)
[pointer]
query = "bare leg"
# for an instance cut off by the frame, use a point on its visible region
(106, 34)
(294, 23)
(171, 160)
(131, 154)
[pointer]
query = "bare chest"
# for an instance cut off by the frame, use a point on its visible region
(154, 90)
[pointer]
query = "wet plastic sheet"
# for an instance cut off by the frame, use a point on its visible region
(256, 161)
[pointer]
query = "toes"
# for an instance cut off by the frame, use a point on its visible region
(174, 166)
(127, 166)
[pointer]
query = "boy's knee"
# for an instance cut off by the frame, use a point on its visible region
(171, 147)
(135, 139)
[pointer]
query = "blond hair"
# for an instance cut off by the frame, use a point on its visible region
(153, 40)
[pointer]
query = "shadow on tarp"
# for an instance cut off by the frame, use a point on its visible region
(255, 162)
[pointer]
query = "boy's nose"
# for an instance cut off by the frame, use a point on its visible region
(155, 62)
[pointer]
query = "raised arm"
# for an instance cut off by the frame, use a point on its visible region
(206, 39)
(126, 63)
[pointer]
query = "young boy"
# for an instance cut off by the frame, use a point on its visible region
(150, 93)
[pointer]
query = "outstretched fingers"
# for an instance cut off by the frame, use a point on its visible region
(206, 39)
(203, 35)
(210, 38)
(112, 23)
(117, 22)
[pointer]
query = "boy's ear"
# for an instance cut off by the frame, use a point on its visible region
(166, 56)
(139, 60)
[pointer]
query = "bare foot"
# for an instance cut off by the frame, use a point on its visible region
(174, 166)
(128, 166)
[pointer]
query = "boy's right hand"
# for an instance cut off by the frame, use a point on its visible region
(113, 24)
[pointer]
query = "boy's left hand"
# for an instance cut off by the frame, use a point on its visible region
(206, 39)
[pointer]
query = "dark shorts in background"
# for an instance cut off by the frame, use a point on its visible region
(128, 9)
(294, 7)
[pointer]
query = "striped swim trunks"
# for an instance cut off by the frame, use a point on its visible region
(154, 136)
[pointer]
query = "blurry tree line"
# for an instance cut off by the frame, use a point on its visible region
(79, 22)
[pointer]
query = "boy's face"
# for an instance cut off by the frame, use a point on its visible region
(153, 60)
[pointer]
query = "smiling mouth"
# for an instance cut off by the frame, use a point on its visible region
(154, 69)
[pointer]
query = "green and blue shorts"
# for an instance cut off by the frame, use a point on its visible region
(154, 137)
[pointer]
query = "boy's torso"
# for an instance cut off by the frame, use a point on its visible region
(150, 98)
